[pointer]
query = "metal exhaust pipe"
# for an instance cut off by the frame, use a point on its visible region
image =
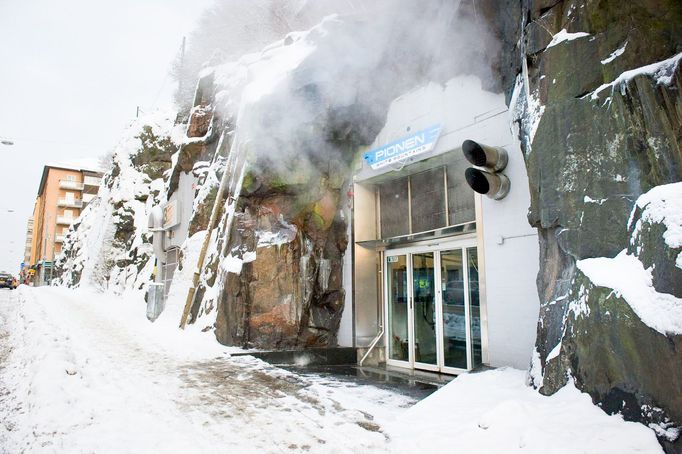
(494, 185)
(480, 155)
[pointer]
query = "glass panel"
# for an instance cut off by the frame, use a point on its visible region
(427, 195)
(396, 274)
(394, 208)
(475, 307)
(454, 318)
(460, 195)
(424, 308)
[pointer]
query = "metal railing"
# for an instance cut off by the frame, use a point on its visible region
(92, 181)
(65, 220)
(73, 203)
(70, 184)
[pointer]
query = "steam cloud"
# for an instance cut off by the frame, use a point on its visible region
(355, 64)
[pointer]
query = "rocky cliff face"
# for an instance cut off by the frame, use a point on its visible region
(109, 246)
(599, 111)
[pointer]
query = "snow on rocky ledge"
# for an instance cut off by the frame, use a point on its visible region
(625, 273)
(564, 35)
(661, 71)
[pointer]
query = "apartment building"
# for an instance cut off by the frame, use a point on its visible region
(62, 194)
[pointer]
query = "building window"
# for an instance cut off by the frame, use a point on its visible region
(460, 195)
(427, 196)
(425, 201)
(70, 178)
(393, 196)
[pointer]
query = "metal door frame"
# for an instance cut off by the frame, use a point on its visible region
(462, 243)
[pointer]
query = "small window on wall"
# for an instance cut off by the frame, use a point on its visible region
(460, 195)
(70, 178)
(394, 202)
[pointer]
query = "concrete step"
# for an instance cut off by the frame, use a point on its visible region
(307, 357)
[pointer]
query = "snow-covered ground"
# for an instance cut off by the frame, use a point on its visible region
(85, 372)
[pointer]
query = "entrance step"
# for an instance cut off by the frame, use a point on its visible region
(306, 357)
(415, 385)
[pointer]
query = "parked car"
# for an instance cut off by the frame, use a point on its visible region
(7, 281)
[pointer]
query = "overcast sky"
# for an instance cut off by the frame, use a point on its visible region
(71, 75)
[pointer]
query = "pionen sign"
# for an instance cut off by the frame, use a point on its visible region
(402, 149)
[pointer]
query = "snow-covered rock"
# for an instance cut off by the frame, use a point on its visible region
(109, 246)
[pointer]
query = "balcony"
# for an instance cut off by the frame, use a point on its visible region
(87, 198)
(92, 181)
(70, 203)
(59, 238)
(65, 220)
(69, 184)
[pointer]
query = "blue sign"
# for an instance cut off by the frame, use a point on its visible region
(402, 149)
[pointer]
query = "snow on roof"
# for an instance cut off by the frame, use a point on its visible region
(81, 164)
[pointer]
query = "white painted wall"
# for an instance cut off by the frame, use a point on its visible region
(511, 269)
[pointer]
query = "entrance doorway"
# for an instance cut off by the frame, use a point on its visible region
(433, 307)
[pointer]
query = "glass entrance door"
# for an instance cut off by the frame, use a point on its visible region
(425, 345)
(433, 308)
(398, 307)
(454, 310)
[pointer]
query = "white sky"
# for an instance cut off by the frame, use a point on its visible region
(71, 75)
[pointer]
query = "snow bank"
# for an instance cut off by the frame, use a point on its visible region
(495, 411)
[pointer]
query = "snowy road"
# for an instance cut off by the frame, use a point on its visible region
(87, 373)
(86, 376)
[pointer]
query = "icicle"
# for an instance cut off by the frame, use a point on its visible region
(324, 273)
(306, 277)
